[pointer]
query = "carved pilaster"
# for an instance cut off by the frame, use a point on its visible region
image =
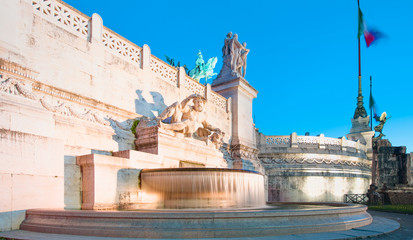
(245, 157)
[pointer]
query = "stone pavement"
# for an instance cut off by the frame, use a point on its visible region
(385, 226)
(405, 232)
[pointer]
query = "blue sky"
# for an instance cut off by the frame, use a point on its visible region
(303, 58)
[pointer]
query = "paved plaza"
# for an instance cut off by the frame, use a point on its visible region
(405, 232)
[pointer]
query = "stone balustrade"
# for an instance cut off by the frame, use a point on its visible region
(120, 46)
(310, 142)
(92, 30)
(63, 15)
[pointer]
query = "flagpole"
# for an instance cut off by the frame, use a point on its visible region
(371, 107)
(360, 110)
(358, 4)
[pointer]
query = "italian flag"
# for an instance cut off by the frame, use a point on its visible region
(370, 34)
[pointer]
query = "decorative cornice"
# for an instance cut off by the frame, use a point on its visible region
(14, 71)
(73, 111)
(244, 152)
(80, 100)
(18, 80)
(15, 87)
(18, 88)
(314, 160)
(238, 83)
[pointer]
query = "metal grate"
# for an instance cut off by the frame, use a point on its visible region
(356, 198)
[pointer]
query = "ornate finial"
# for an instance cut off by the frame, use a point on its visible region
(360, 110)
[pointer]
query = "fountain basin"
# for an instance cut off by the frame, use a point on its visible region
(183, 188)
(277, 219)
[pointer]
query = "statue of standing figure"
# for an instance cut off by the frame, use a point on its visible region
(242, 60)
(225, 48)
(235, 55)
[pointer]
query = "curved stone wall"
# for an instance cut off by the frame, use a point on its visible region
(310, 170)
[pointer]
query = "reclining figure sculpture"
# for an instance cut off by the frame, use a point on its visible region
(191, 120)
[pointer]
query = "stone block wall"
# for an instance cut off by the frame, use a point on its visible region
(393, 175)
(398, 196)
(31, 172)
(393, 165)
(411, 169)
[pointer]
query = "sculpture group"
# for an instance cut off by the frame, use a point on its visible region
(234, 55)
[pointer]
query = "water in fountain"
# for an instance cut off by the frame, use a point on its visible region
(202, 188)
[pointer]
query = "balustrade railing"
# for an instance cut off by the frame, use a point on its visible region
(307, 141)
(279, 141)
(164, 70)
(193, 86)
(291, 141)
(218, 100)
(121, 46)
(62, 15)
